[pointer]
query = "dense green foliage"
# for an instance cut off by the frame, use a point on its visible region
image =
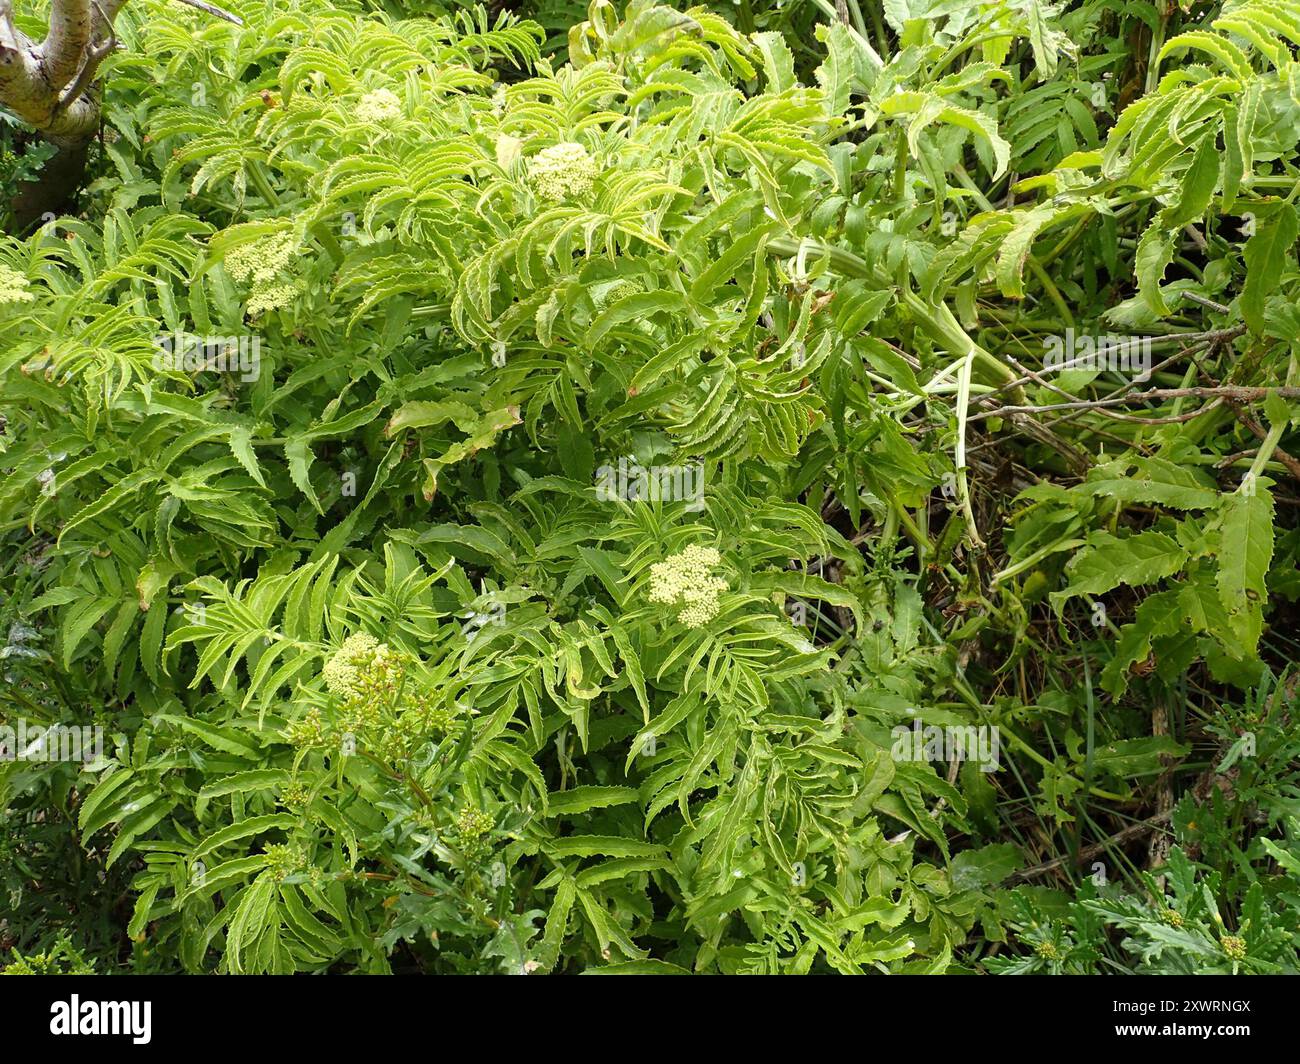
(393, 674)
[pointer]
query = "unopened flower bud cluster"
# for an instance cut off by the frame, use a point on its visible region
(284, 859)
(380, 704)
(472, 829)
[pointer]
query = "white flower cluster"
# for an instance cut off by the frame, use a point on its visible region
(562, 171)
(342, 673)
(379, 107)
(13, 286)
(270, 296)
(684, 579)
(262, 264)
(262, 260)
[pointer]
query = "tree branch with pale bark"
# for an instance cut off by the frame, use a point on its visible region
(53, 86)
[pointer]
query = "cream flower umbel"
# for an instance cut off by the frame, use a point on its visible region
(13, 286)
(379, 107)
(343, 672)
(261, 261)
(272, 296)
(264, 265)
(562, 171)
(684, 580)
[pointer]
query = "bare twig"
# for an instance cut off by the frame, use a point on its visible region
(1132, 418)
(1204, 340)
(1158, 847)
(1226, 392)
(1257, 430)
(1219, 307)
(1194, 341)
(1133, 831)
(215, 11)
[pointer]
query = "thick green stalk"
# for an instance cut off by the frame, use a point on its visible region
(936, 319)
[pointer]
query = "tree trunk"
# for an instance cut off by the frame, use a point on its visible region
(51, 86)
(52, 192)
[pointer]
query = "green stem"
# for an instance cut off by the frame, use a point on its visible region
(1031, 560)
(263, 183)
(937, 320)
(321, 232)
(828, 9)
(1266, 450)
(1157, 42)
(963, 487)
(923, 546)
(855, 13)
(1053, 293)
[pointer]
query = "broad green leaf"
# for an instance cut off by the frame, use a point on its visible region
(1154, 480)
(583, 799)
(1246, 533)
(1109, 561)
(241, 830)
(1266, 256)
(601, 845)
